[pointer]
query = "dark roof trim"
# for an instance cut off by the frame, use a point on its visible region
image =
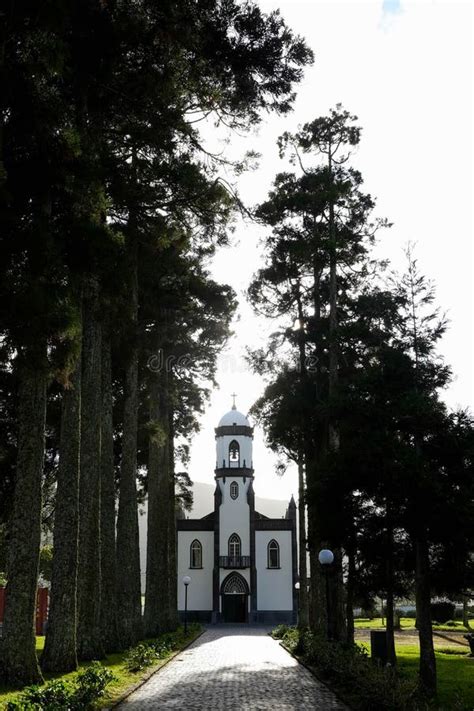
(209, 515)
(195, 524)
(273, 524)
(234, 471)
(234, 430)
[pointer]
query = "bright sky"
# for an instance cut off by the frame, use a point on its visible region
(405, 69)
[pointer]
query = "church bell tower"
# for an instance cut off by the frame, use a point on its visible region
(234, 569)
(234, 437)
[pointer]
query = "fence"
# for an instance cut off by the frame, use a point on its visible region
(42, 604)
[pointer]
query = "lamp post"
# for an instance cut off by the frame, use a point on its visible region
(297, 588)
(186, 581)
(326, 558)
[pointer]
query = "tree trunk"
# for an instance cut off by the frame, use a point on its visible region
(465, 612)
(303, 612)
(157, 591)
(317, 596)
(3, 42)
(108, 591)
(338, 598)
(89, 633)
(303, 601)
(351, 574)
(391, 653)
(19, 664)
(60, 651)
(332, 344)
(128, 544)
(423, 616)
(172, 555)
(333, 433)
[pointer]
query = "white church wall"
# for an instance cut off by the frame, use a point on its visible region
(200, 587)
(274, 585)
(234, 515)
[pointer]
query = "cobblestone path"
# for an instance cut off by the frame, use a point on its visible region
(233, 668)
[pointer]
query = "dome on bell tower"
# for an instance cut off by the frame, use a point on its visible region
(233, 417)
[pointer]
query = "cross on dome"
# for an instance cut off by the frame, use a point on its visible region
(234, 395)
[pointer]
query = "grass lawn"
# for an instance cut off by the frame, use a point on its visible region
(115, 662)
(455, 674)
(405, 624)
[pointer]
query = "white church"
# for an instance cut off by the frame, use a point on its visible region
(242, 564)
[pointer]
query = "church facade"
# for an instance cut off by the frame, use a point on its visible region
(242, 564)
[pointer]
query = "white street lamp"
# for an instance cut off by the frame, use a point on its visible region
(186, 581)
(326, 558)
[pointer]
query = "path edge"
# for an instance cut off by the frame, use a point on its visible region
(314, 673)
(151, 672)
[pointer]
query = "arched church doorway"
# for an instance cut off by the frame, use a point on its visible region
(235, 592)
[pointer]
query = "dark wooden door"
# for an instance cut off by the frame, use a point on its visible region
(234, 608)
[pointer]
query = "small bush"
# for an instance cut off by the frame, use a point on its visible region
(78, 695)
(140, 657)
(147, 653)
(292, 640)
(53, 697)
(161, 649)
(90, 685)
(442, 611)
(280, 631)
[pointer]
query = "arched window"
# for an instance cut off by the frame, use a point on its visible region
(273, 554)
(234, 490)
(234, 546)
(234, 453)
(195, 555)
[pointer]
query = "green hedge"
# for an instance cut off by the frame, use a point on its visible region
(79, 695)
(147, 653)
(365, 685)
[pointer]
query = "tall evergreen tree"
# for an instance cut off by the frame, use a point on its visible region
(60, 651)
(70, 120)
(89, 633)
(34, 309)
(321, 222)
(109, 613)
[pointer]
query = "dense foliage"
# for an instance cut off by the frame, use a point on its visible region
(111, 207)
(88, 686)
(353, 396)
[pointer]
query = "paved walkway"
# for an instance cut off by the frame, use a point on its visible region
(233, 668)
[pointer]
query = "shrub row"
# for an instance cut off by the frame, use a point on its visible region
(349, 670)
(81, 693)
(77, 695)
(147, 653)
